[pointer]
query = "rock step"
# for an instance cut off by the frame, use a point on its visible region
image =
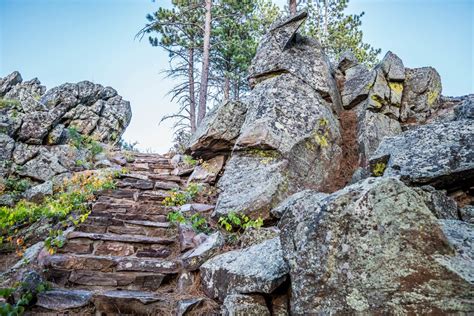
(117, 280)
(114, 302)
(69, 262)
(121, 238)
(83, 246)
(127, 229)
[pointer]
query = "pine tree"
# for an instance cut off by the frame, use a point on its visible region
(337, 31)
(180, 34)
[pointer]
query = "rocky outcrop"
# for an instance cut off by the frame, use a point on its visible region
(49, 134)
(290, 122)
(440, 154)
(373, 247)
(257, 269)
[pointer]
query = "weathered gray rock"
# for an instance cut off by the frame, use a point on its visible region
(185, 306)
(43, 167)
(194, 258)
(461, 235)
(9, 81)
(245, 305)
(297, 201)
(257, 269)
(62, 299)
(208, 171)
(440, 154)
(38, 192)
(7, 144)
(373, 247)
(347, 61)
(441, 205)
(282, 50)
(372, 128)
(254, 236)
(219, 130)
(467, 213)
(465, 111)
(392, 67)
(252, 184)
(358, 82)
(288, 126)
(421, 94)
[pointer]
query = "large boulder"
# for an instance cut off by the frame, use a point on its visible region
(422, 91)
(257, 269)
(287, 128)
(373, 247)
(248, 305)
(440, 154)
(219, 130)
(283, 50)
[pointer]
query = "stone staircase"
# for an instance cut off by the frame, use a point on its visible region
(125, 258)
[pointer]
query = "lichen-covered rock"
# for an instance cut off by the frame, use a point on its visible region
(245, 305)
(372, 128)
(467, 213)
(358, 82)
(194, 258)
(257, 269)
(373, 247)
(283, 50)
(7, 145)
(252, 183)
(219, 130)
(440, 154)
(439, 203)
(465, 111)
(297, 201)
(421, 94)
(208, 171)
(88, 107)
(392, 67)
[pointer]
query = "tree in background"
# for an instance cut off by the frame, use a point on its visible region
(336, 30)
(293, 6)
(180, 34)
(205, 62)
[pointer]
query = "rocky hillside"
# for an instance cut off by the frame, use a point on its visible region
(47, 135)
(330, 189)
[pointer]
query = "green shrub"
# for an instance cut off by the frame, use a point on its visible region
(84, 142)
(196, 220)
(237, 223)
(9, 103)
(189, 161)
(178, 198)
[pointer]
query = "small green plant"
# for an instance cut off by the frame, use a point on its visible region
(26, 298)
(237, 223)
(9, 103)
(189, 161)
(81, 141)
(16, 185)
(196, 220)
(379, 169)
(178, 198)
(54, 241)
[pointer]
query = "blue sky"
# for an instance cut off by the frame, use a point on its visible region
(72, 40)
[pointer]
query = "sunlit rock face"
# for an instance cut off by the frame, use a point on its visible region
(38, 128)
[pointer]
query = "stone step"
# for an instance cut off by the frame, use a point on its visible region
(117, 280)
(109, 302)
(69, 262)
(84, 246)
(134, 303)
(121, 238)
(136, 184)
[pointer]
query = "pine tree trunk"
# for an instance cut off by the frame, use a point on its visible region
(205, 63)
(192, 98)
(226, 89)
(292, 7)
